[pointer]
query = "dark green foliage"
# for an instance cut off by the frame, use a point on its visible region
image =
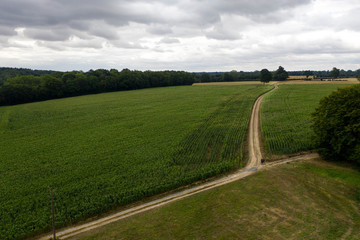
(280, 74)
(308, 73)
(29, 88)
(335, 72)
(265, 76)
(228, 76)
(336, 123)
(6, 73)
(326, 74)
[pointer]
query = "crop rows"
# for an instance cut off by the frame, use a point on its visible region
(286, 117)
(99, 152)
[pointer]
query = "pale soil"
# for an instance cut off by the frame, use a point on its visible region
(254, 164)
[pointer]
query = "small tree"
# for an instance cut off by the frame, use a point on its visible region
(336, 125)
(280, 74)
(335, 72)
(358, 77)
(265, 76)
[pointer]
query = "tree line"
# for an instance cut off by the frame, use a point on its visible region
(6, 73)
(279, 75)
(232, 76)
(327, 73)
(30, 88)
(20, 85)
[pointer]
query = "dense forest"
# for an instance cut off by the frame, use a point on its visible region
(20, 85)
(30, 88)
(6, 73)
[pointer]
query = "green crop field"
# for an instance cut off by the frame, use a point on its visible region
(106, 150)
(286, 116)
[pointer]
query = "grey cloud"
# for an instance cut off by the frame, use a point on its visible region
(159, 29)
(52, 34)
(257, 10)
(258, 7)
(7, 31)
(219, 32)
(100, 29)
(79, 43)
(126, 44)
(77, 14)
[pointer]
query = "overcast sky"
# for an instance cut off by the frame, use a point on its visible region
(190, 35)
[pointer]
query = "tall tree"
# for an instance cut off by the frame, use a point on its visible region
(335, 72)
(280, 74)
(265, 76)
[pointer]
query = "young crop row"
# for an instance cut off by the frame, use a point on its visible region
(286, 117)
(102, 151)
(219, 139)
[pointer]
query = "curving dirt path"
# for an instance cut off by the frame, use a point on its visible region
(253, 165)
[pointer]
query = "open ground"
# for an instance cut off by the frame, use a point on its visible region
(220, 108)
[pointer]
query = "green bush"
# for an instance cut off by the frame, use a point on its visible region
(336, 125)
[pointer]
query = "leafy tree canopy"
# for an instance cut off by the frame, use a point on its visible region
(335, 72)
(280, 74)
(29, 88)
(336, 125)
(265, 76)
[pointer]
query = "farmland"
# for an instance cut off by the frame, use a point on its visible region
(286, 116)
(105, 150)
(313, 200)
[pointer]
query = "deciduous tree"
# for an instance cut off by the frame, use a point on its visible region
(280, 74)
(265, 76)
(335, 72)
(336, 125)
